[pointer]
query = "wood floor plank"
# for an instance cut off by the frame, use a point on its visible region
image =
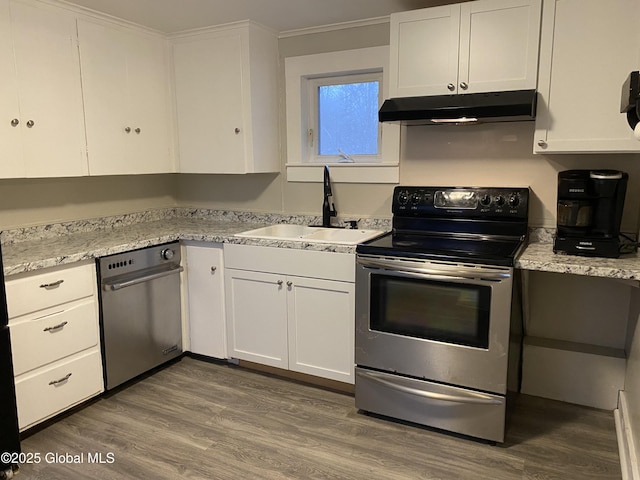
(198, 420)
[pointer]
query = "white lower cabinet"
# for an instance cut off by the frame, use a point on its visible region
(205, 299)
(57, 387)
(257, 317)
(291, 309)
(53, 322)
(321, 327)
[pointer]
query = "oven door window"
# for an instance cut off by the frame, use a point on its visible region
(434, 310)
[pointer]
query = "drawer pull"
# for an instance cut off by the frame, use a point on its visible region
(55, 327)
(52, 285)
(61, 380)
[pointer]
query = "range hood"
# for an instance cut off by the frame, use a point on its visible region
(509, 106)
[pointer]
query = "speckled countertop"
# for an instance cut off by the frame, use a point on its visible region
(32, 249)
(539, 256)
(69, 245)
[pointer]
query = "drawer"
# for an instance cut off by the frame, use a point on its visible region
(43, 340)
(33, 292)
(53, 390)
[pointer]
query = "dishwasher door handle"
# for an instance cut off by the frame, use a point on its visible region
(144, 278)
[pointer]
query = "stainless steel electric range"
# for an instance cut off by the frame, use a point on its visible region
(436, 329)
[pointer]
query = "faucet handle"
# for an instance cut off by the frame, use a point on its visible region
(352, 224)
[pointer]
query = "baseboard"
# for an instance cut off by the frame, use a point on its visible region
(626, 444)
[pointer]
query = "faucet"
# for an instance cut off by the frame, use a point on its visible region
(328, 210)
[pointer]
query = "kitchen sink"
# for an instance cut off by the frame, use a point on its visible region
(305, 233)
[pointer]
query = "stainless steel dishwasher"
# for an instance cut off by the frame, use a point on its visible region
(140, 317)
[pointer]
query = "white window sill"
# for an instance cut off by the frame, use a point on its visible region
(345, 172)
(297, 69)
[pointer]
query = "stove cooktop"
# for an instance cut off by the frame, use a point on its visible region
(482, 225)
(488, 251)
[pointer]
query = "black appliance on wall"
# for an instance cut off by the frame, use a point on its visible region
(630, 102)
(590, 205)
(9, 436)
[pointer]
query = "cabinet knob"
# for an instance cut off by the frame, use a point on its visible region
(542, 144)
(451, 87)
(30, 123)
(236, 130)
(289, 283)
(279, 282)
(127, 129)
(15, 122)
(464, 86)
(213, 269)
(137, 130)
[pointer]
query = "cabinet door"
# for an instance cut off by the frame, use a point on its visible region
(321, 327)
(424, 52)
(104, 88)
(207, 330)
(256, 306)
(588, 49)
(148, 97)
(209, 102)
(499, 43)
(11, 164)
(48, 77)
(124, 85)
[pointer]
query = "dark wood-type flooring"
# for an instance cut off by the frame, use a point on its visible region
(198, 420)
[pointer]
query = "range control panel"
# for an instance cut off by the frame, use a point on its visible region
(469, 202)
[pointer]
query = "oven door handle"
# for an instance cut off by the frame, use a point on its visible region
(469, 397)
(447, 271)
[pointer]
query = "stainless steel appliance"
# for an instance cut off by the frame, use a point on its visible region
(141, 322)
(434, 309)
(590, 205)
(9, 436)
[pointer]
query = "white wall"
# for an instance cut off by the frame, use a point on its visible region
(51, 200)
(632, 383)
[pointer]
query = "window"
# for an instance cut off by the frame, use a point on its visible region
(332, 118)
(344, 119)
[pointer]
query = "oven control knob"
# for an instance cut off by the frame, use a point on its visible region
(415, 198)
(498, 200)
(403, 197)
(485, 200)
(167, 254)
(514, 200)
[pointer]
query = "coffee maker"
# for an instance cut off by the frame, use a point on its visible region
(590, 204)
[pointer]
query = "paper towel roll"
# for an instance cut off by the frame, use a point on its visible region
(636, 131)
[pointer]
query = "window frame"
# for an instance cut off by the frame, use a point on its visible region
(300, 72)
(313, 117)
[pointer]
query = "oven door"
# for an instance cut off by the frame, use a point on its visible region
(439, 321)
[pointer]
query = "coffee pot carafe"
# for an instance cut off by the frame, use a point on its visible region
(590, 204)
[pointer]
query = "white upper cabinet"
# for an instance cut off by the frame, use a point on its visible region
(227, 100)
(480, 46)
(588, 48)
(41, 118)
(126, 97)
